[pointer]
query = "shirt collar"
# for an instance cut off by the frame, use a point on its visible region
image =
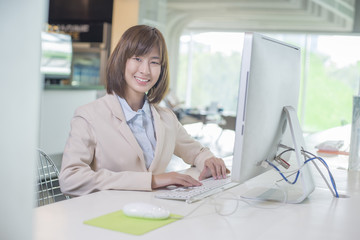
(129, 113)
(146, 108)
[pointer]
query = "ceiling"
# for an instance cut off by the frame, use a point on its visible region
(264, 15)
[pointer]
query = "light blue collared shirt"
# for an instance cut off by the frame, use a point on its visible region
(141, 124)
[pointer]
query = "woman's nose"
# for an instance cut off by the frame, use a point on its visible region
(144, 67)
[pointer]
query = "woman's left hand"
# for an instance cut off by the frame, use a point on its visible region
(214, 167)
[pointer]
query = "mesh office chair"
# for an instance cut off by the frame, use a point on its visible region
(47, 182)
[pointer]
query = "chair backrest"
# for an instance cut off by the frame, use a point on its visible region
(228, 123)
(47, 181)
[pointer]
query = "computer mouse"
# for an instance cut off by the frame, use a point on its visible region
(145, 210)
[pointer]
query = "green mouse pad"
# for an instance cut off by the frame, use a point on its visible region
(118, 221)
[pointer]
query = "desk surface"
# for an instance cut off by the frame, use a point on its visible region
(319, 217)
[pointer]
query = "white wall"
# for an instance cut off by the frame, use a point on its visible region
(57, 110)
(20, 82)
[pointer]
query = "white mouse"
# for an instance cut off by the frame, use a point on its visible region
(145, 210)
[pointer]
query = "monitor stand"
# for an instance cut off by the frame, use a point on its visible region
(280, 190)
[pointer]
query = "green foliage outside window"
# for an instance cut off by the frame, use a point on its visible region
(215, 78)
(328, 99)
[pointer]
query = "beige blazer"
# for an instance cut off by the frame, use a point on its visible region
(102, 153)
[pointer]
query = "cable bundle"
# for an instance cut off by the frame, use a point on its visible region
(309, 157)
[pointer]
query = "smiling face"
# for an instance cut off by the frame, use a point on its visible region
(138, 65)
(142, 73)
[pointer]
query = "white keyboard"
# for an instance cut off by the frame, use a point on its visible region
(209, 187)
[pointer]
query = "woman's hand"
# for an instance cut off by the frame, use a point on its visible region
(214, 167)
(173, 178)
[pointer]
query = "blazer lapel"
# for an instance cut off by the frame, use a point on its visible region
(124, 129)
(160, 137)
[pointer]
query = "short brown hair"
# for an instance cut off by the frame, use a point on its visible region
(137, 40)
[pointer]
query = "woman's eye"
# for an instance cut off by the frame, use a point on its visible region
(137, 59)
(154, 62)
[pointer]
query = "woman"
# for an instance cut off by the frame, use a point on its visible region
(124, 140)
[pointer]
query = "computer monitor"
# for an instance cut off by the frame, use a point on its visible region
(269, 81)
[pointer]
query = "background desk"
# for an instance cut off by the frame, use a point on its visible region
(319, 217)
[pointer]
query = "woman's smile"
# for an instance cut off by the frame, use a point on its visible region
(142, 80)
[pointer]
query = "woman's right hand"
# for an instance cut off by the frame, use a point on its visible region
(173, 178)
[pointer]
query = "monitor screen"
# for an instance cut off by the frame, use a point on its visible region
(85, 11)
(269, 81)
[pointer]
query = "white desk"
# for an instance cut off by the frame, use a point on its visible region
(319, 217)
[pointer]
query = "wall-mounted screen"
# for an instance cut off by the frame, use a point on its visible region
(84, 11)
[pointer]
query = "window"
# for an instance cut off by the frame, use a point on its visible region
(209, 71)
(332, 70)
